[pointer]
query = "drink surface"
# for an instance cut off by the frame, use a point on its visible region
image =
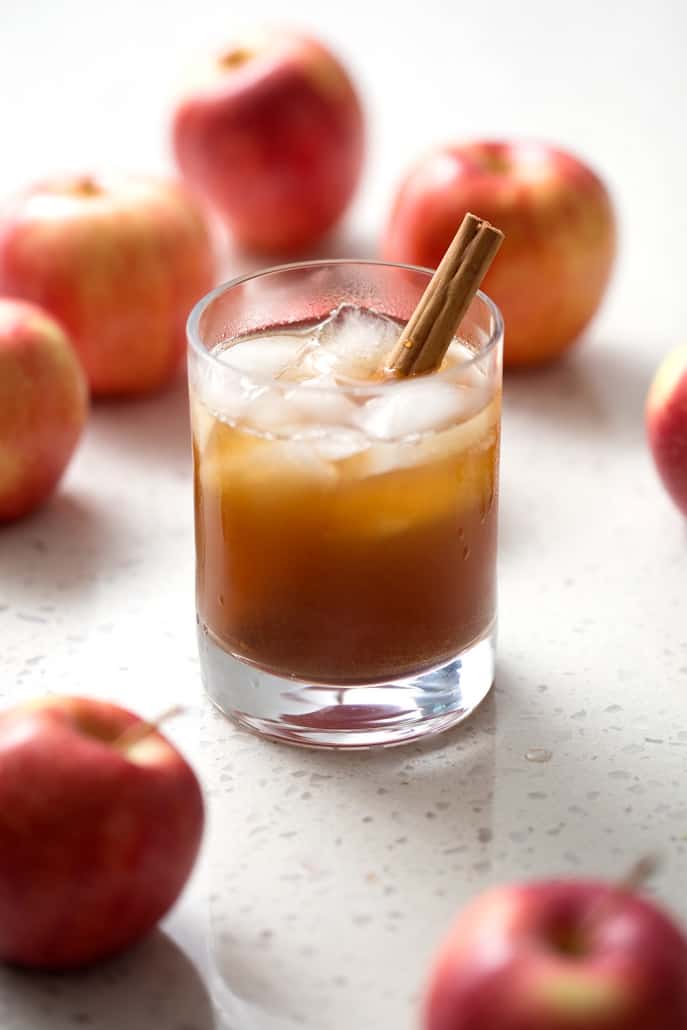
(345, 527)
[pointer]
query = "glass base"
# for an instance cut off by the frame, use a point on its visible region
(321, 715)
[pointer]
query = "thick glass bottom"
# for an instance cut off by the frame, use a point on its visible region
(321, 715)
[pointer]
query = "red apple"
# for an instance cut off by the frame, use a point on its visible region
(270, 133)
(43, 406)
(560, 235)
(96, 838)
(560, 956)
(119, 264)
(666, 423)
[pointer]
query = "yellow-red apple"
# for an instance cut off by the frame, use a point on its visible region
(43, 406)
(97, 835)
(119, 263)
(270, 134)
(560, 955)
(559, 225)
(666, 423)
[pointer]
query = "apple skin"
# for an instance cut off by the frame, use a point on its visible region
(271, 134)
(95, 844)
(119, 263)
(666, 424)
(552, 270)
(520, 958)
(43, 406)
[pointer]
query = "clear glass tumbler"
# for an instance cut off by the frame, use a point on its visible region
(345, 530)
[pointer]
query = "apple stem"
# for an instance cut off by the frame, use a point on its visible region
(638, 874)
(86, 186)
(140, 730)
(235, 58)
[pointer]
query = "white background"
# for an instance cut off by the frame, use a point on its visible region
(327, 881)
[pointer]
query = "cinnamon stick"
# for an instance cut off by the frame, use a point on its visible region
(432, 326)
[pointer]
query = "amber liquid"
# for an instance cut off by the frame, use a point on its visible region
(377, 571)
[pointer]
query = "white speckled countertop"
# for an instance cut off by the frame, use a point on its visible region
(326, 880)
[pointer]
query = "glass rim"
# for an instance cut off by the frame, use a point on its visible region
(197, 311)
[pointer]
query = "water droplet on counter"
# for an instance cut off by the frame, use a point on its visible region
(538, 754)
(466, 553)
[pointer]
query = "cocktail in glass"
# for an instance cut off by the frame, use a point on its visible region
(345, 519)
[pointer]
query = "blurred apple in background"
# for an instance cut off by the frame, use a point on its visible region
(43, 406)
(119, 264)
(560, 234)
(666, 422)
(97, 836)
(270, 134)
(562, 955)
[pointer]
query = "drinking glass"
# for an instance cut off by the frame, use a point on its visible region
(345, 531)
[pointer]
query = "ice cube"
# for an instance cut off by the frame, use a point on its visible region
(322, 402)
(340, 444)
(238, 461)
(375, 460)
(271, 412)
(289, 464)
(464, 370)
(283, 467)
(479, 431)
(411, 408)
(475, 433)
(351, 344)
(223, 392)
(227, 453)
(263, 357)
